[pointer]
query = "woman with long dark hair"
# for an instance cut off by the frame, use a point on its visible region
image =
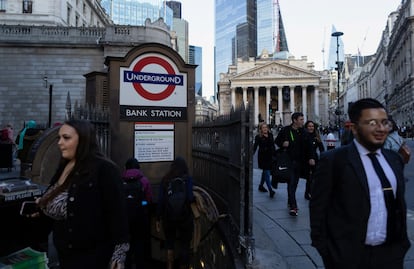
(316, 145)
(85, 202)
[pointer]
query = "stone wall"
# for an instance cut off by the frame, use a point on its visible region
(24, 93)
(63, 55)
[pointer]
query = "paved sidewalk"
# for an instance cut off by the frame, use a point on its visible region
(283, 241)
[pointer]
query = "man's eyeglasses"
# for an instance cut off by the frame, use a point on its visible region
(376, 123)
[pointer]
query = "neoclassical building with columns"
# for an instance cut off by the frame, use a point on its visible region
(276, 88)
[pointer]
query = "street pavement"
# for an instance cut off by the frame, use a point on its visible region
(283, 241)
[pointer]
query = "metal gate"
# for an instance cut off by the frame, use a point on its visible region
(222, 164)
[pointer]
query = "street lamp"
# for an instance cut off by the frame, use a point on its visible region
(50, 101)
(338, 68)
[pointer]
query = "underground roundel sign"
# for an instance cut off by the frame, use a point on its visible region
(153, 80)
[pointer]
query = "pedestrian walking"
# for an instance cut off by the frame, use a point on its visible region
(293, 139)
(357, 210)
(316, 147)
(138, 196)
(264, 141)
(347, 135)
(174, 212)
(26, 138)
(85, 202)
(394, 140)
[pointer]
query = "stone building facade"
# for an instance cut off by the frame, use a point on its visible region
(275, 89)
(76, 13)
(205, 111)
(399, 62)
(388, 75)
(35, 57)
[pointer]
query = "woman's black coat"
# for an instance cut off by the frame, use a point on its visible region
(266, 150)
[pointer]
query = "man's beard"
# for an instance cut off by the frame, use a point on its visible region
(369, 145)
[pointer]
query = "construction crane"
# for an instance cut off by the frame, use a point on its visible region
(323, 48)
(360, 51)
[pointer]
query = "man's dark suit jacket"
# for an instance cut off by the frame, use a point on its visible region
(340, 206)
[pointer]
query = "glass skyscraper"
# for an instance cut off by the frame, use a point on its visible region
(135, 12)
(244, 28)
(235, 33)
(176, 7)
(265, 26)
(195, 57)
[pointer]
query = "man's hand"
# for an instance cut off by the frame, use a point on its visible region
(285, 144)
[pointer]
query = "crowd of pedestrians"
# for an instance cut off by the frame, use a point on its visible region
(356, 190)
(355, 193)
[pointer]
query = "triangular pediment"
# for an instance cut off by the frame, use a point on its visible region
(275, 70)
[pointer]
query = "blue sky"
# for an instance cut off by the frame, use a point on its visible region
(308, 26)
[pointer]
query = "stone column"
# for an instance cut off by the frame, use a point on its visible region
(245, 96)
(267, 105)
(326, 104)
(316, 95)
(304, 103)
(292, 99)
(256, 105)
(280, 104)
(233, 97)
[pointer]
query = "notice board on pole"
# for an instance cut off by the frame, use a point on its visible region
(154, 141)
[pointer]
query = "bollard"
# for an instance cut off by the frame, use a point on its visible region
(330, 141)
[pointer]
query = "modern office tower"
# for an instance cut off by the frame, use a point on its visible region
(265, 22)
(244, 28)
(176, 8)
(195, 57)
(235, 32)
(280, 40)
(135, 12)
(180, 27)
(270, 31)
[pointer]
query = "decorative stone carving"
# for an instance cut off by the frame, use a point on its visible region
(274, 71)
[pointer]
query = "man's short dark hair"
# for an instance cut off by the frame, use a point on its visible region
(355, 110)
(296, 115)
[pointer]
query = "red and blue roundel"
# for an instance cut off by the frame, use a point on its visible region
(153, 77)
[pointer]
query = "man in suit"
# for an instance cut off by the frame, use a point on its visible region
(357, 210)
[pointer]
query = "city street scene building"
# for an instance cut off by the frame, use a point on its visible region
(275, 88)
(128, 68)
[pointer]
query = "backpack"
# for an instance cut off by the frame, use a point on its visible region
(177, 207)
(134, 195)
(282, 167)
